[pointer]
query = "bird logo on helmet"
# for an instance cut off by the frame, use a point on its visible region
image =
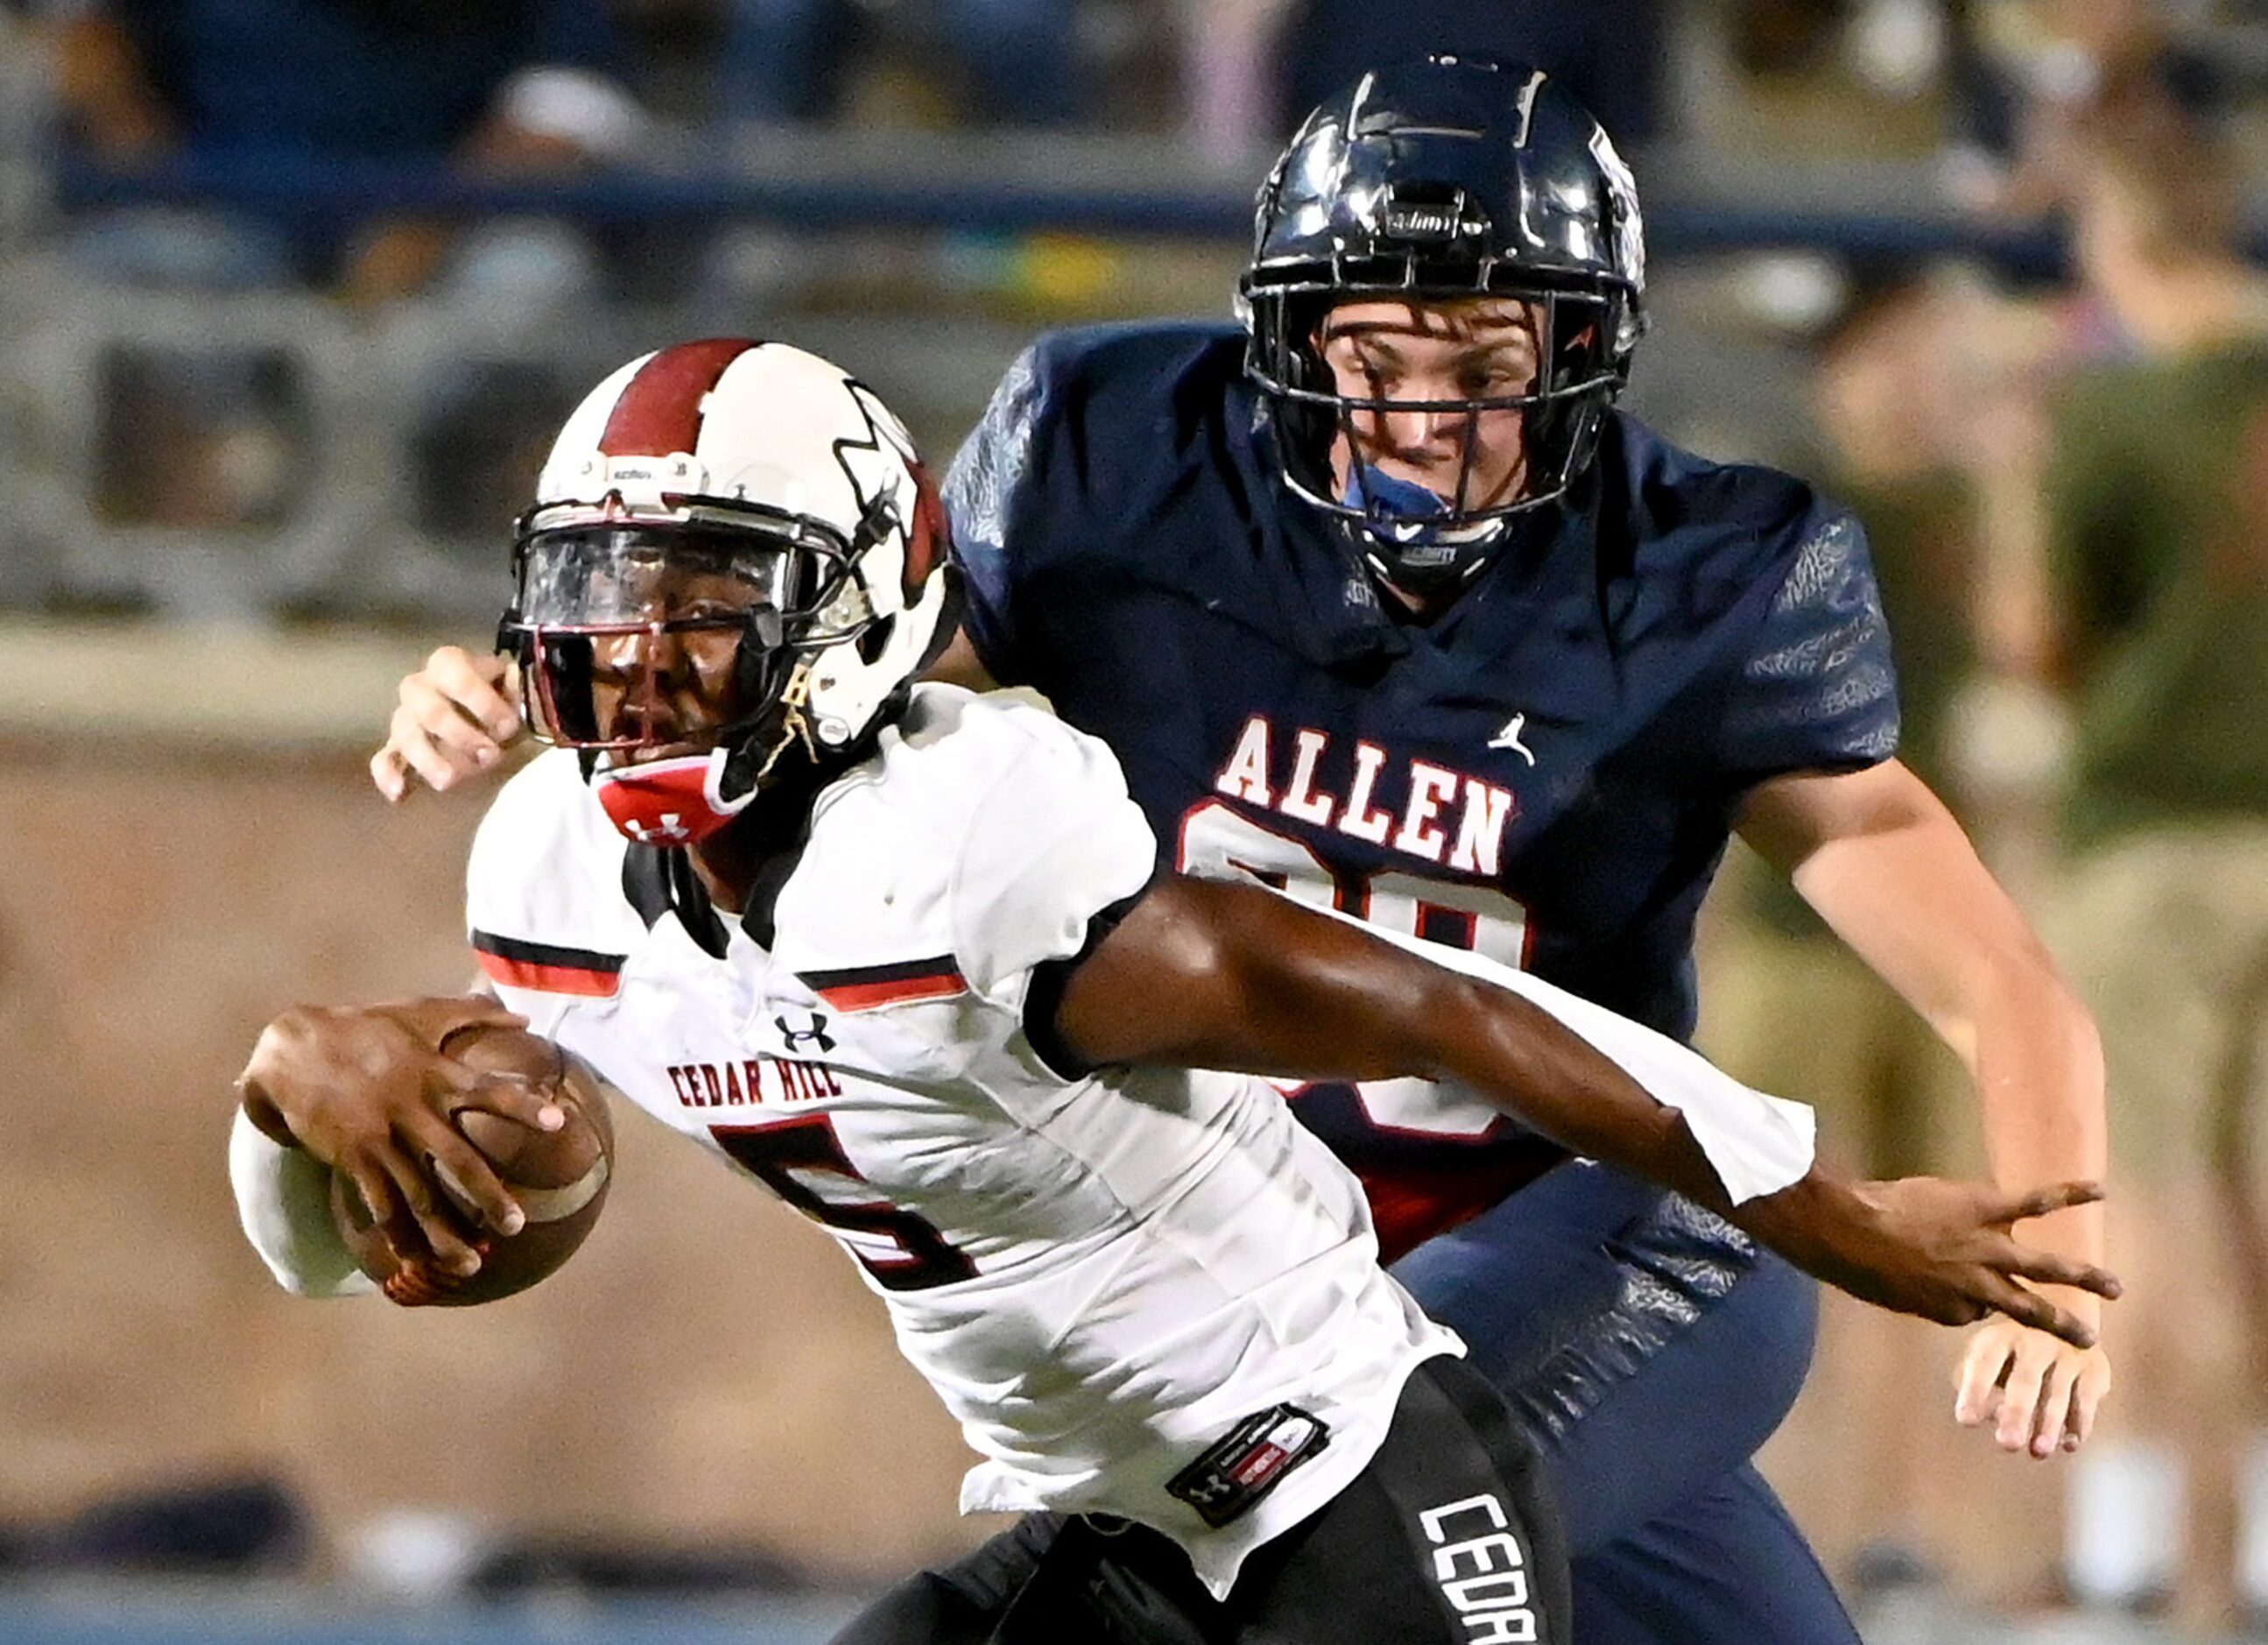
(734, 560)
(1433, 181)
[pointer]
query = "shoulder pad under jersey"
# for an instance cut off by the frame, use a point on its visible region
(985, 832)
(543, 887)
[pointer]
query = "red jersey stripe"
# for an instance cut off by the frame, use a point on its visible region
(550, 980)
(890, 991)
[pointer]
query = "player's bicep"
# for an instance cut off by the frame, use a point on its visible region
(1788, 819)
(1212, 974)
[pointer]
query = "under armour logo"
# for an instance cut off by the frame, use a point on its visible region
(815, 1035)
(666, 832)
(1509, 738)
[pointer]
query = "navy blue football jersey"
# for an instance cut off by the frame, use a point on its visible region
(1546, 772)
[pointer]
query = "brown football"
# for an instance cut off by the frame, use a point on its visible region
(559, 1177)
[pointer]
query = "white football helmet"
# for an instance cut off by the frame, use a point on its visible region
(763, 511)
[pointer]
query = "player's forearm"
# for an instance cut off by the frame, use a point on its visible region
(2036, 1060)
(1891, 870)
(1219, 976)
(1643, 1117)
(282, 1200)
(1966, 960)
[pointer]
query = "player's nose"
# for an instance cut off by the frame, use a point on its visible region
(647, 667)
(640, 651)
(1419, 433)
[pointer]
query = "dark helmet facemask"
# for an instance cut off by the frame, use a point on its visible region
(1431, 182)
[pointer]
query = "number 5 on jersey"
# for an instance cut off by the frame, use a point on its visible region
(802, 1160)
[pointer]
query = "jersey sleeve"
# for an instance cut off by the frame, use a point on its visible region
(283, 1199)
(987, 490)
(1757, 1144)
(1815, 689)
(1055, 841)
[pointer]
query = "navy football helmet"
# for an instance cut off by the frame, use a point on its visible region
(1436, 179)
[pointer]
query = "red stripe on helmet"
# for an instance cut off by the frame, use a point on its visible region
(659, 410)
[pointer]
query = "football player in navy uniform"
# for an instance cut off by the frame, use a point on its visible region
(1381, 602)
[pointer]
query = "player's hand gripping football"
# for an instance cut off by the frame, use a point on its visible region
(367, 1091)
(452, 720)
(1929, 1246)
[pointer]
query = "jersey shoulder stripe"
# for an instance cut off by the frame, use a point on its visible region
(867, 987)
(547, 968)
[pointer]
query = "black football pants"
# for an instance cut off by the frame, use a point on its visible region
(1448, 1538)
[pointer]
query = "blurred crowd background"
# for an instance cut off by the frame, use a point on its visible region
(292, 296)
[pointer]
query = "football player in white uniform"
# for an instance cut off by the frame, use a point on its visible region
(905, 955)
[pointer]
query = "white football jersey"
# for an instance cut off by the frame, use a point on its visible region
(1105, 1277)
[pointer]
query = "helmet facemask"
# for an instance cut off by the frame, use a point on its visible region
(1423, 540)
(736, 568)
(1429, 182)
(691, 635)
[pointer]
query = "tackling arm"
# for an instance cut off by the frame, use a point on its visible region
(1224, 975)
(1890, 868)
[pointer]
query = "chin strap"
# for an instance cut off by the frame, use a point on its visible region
(1410, 535)
(794, 725)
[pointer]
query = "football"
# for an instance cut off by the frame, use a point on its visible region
(559, 1177)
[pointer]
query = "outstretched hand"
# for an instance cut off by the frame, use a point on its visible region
(453, 720)
(1943, 1250)
(367, 1091)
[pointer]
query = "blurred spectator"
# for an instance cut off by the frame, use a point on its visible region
(239, 1526)
(1883, 403)
(1776, 38)
(1251, 69)
(1003, 61)
(2156, 489)
(1897, 398)
(218, 435)
(498, 85)
(2151, 481)
(2025, 73)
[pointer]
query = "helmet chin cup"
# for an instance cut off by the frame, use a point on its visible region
(669, 803)
(1412, 535)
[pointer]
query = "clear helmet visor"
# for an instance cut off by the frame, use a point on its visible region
(606, 576)
(637, 637)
